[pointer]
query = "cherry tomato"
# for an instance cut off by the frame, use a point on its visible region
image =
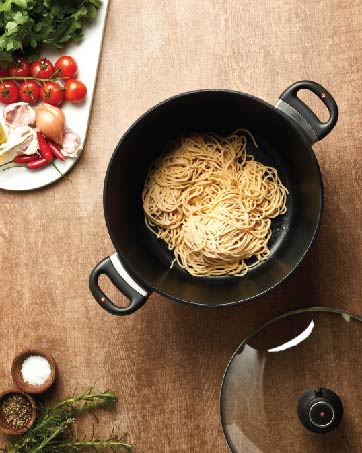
(29, 91)
(42, 69)
(52, 93)
(3, 72)
(20, 68)
(75, 90)
(66, 66)
(9, 92)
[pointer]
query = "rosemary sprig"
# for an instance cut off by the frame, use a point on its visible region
(88, 401)
(52, 433)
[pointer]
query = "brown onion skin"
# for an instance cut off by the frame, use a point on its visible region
(50, 121)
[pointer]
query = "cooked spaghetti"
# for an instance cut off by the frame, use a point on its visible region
(212, 203)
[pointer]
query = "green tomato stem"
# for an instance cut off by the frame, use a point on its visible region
(32, 78)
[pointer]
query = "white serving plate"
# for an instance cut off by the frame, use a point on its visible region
(87, 55)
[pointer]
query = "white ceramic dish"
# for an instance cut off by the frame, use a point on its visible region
(87, 55)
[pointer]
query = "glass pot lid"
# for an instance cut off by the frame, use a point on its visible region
(295, 385)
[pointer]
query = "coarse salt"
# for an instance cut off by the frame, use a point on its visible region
(35, 370)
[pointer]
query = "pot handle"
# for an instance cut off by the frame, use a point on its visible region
(299, 112)
(114, 269)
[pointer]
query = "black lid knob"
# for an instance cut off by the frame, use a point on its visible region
(320, 410)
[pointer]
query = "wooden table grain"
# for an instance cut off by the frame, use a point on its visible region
(167, 360)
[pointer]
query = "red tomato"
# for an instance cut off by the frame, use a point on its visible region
(42, 69)
(66, 66)
(20, 68)
(75, 90)
(9, 92)
(29, 91)
(3, 72)
(52, 93)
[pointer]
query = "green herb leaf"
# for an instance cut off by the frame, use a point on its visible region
(26, 24)
(5, 59)
(21, 3)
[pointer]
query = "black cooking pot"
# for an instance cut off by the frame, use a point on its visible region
(284, 134)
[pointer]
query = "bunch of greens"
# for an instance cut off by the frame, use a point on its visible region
(25, 25)
(52, 431)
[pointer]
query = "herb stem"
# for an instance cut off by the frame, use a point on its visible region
(94, 444)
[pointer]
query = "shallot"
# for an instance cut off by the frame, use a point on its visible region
(50, 120)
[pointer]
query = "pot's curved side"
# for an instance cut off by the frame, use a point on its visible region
(300, 117)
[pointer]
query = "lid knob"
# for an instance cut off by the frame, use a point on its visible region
(320, 410)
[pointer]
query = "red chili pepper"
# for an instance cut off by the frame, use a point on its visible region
(24, 159)
(44, 147)
(55, 150)
(40, 163)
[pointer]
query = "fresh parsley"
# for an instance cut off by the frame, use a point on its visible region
(25, 25)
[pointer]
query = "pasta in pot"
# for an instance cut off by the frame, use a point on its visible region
(212, 203)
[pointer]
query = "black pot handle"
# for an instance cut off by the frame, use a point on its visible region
(295, 108)
(113, 268)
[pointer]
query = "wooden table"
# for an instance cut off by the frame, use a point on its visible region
(167, 360)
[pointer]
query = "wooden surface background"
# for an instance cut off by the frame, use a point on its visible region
(167, 360)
